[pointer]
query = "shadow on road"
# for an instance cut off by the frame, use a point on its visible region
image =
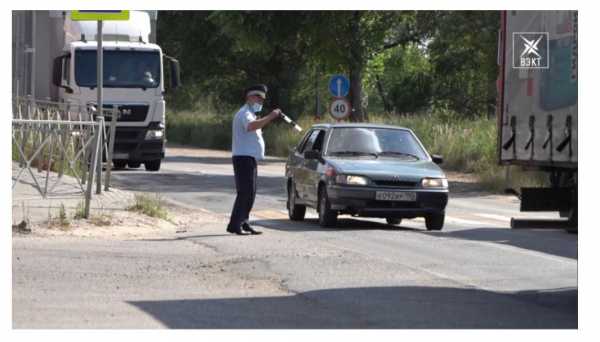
(168, 182)
(215, 160)
(554, 242)
(344, 224)
(374, 307)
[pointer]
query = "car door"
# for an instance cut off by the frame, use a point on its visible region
(312, 169)
(302, 174)
(296, 160)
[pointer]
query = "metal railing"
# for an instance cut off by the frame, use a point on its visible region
(62, 138)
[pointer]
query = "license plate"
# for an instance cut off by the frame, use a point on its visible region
(396, 196)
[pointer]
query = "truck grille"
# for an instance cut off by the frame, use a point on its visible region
(130, 113)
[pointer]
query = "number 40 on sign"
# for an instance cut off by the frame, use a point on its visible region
(339, 109)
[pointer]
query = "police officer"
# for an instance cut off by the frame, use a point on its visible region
(248, 147)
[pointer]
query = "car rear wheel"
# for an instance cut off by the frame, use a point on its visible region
(393, 221)
(435, 221)
(296, 212)
(327, 217)
(152, 165)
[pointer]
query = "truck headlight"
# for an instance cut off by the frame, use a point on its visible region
(434, 183)
(154, 134)
(351, 180)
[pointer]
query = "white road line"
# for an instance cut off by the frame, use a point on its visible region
(495, 217)
(473, 223)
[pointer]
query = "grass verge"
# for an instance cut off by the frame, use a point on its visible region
(150, 205)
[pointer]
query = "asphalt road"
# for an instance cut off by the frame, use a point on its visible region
(476, 273)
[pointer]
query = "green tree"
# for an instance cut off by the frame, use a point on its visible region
(347, 40)
(401, 78)
(462, 47)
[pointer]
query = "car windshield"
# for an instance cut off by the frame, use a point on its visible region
(380, 142)
(122, 69)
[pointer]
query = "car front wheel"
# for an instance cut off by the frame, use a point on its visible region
(327, 217)
(295, 211)
(435, 221)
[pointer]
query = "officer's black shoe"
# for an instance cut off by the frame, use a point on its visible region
(236, 231)
(246, 227)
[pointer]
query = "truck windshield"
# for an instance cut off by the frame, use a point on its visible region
(122, 69)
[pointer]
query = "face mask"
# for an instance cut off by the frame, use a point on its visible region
(256, 107)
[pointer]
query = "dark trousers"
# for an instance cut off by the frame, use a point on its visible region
(244, 168)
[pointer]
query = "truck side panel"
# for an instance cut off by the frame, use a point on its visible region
(539, 106)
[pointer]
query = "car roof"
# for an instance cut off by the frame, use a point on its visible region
(356, 125)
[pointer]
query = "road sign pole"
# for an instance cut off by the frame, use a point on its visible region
(99, 67)
(99, 107)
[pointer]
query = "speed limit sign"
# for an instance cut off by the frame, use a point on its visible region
(340, 108)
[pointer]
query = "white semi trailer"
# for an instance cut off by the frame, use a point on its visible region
(133, 77)
(537, 108)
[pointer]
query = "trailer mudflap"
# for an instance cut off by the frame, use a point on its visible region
(546, 199)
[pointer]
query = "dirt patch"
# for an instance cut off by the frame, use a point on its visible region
(123, 224)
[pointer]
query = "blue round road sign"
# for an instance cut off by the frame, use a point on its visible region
(339, 86)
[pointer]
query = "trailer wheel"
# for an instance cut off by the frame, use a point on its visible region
(119, 164)
(152, 165)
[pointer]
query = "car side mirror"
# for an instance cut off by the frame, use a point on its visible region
(312, 154)
(437, 159)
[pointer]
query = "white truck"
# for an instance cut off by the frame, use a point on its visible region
(537, 109)
(134, 75)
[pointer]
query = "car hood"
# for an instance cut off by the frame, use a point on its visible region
(385, 168)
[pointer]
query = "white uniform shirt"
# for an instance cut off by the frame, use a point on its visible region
(244, 142)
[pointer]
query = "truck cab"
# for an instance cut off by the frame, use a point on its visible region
(133, 80)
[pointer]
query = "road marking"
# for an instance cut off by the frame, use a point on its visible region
(269, 214)
(495, 217)
(472, 222)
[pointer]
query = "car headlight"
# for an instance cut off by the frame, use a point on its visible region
(351, 180)
(434, 183)
(154, 134)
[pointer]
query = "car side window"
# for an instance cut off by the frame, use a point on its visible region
(300, 148)
(310, 141)
(318, 144)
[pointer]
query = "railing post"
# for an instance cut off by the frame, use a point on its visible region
(94, 147)
(111, 146)
(100, 152)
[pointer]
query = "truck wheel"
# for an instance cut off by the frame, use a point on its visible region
(393, 221)
(134, 165)
(152, 165)
(119, 164)
(573, 223)
(435, 221)
(327, 217)
(296, 212)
